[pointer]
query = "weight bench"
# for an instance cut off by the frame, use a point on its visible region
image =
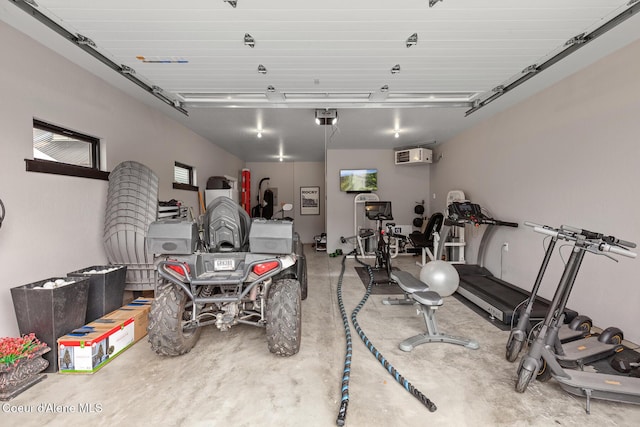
(417, 292)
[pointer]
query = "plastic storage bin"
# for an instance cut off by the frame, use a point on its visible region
(51, 313)
(106, 289)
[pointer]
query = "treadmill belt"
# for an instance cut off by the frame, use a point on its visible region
(497, 297)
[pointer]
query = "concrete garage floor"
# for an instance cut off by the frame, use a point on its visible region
(230, 379)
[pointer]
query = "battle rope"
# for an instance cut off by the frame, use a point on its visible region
(385, 363)
(342, 413)
(344, 402)
(2, 212)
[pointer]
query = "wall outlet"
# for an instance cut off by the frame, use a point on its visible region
(505, 246)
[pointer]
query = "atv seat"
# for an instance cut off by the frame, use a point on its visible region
(227, 226)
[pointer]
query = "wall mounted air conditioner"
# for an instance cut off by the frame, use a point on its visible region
(414, 156)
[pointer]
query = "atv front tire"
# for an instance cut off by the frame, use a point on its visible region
(284, 317)
(169, 311)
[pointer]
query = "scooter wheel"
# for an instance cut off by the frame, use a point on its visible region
(513, 349)
(524, 378)
(544, 373)
(611, 335)
(581, 323)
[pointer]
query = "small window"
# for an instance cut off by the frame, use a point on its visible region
(60, 145)
(61, 151)
(184, 177)
(182, 174)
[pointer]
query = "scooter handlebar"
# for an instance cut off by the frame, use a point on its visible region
(605, 247)
(544, 230)
(532, 224)
(611, 239)
(593, 235)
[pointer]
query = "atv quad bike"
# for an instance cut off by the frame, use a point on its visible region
(241, 271)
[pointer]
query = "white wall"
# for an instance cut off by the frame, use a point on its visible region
(402, 185)
(54, 223)
(288, 177)
(568, 155)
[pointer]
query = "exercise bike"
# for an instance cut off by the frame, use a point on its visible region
(379, 212)
(541, 351)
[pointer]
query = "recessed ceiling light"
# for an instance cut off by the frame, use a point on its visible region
(249, 40)
(397, 134)
(412, 40)
(259, 134)
(262, 69)
(395, 69)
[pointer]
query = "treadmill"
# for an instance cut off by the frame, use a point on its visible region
(491, 294)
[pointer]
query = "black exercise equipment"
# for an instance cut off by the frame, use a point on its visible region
(424, 242)
(381, 211)
(477, 284)
(258, 211)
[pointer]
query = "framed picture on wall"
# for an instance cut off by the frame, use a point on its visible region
(309, 200)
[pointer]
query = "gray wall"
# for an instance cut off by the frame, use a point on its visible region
(402, 185)
(54, 223)
(568, 155)
(288, 177)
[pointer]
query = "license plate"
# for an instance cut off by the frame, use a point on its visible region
(224, 265)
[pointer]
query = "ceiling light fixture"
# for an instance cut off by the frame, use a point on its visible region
(397, 134)
(433, 2)
(249, 40)
(327, 116)
(395, 69)
(232, 3)
(412, 40)
(262, 69)
(259, 134)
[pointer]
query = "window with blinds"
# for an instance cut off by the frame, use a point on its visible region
(182, 174)
(57, 144)
(61, 151)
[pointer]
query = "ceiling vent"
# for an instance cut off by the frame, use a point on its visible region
(413, 156)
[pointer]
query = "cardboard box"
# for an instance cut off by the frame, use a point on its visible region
(87, 349)
(138, 310)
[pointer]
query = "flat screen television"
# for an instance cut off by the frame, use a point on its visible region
(358, 180)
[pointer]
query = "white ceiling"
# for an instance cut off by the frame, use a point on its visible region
(329, 54)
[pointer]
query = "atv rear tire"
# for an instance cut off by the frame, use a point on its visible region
(166, 319)
(302, 278)
(284, 317)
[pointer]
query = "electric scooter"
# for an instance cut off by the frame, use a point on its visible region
(580, 383)
(579, 327)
